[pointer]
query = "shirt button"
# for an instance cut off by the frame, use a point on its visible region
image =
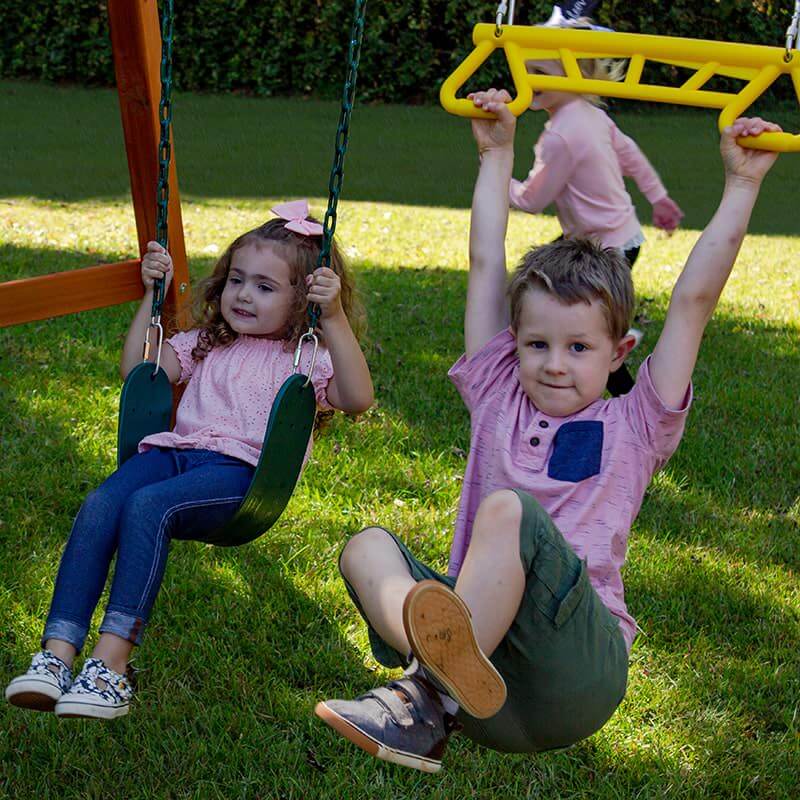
(544, 423)
(534, 440)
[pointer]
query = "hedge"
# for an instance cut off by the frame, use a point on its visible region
(298, 48)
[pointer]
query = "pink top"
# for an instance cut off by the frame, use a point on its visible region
(581, 157)
(589, 471)
(230, 392)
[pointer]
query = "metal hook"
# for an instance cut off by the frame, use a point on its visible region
(791, 32)
(154, 323)
(309, 334)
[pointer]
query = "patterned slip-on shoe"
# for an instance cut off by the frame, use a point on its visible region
(439, 630)
(403, 722)
(46, 680)
(97, 692)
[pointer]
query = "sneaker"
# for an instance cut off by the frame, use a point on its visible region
(97, 692)
(46, 680)
(403, 722)
(439, 629)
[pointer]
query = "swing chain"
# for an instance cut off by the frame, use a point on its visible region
(164, 155)
(791, 32)
(342, 136)
(503, 9)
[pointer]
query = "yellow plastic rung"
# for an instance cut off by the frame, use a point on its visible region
(759, 65)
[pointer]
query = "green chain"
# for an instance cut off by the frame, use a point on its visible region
(164, 148)
(342, 135)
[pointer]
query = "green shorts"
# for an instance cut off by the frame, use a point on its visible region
(563, 659)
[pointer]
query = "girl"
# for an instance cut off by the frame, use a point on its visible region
(185, 483)
(580, 160)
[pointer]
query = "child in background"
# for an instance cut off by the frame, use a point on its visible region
(580, 160)
(525, 642)
(186, 483)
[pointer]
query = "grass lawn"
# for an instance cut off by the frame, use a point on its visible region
(244, 642)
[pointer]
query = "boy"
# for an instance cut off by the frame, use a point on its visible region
(537, 581)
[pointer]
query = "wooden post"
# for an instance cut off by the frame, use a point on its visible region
(136, 43)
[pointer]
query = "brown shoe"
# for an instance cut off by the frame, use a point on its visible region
(439, 630)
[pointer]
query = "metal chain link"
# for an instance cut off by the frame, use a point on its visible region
(342, 136)
(164, 147)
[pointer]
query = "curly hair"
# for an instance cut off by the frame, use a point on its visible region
(301, 253)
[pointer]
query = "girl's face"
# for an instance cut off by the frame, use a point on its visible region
(258, 296)
(548, 101)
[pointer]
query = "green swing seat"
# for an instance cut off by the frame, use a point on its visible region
(146, 407)
(146, 400)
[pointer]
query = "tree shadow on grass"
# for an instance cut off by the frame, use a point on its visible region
(234, 146)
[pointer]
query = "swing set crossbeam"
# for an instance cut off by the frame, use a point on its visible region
(759, 65)
(45, 296)
(136, 48)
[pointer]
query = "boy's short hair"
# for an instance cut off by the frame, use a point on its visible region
(577, 271)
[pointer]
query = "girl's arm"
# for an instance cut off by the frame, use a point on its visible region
(634, 163)
(547, 178)
(350, 388)
(487, 310)
(667, 214)
(156, 263)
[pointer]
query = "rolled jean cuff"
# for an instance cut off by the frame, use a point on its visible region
(126, 626)
(65, 631)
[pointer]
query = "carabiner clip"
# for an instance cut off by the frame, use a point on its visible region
(309, 334)
(154, 323)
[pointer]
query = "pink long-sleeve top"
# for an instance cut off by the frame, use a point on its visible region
(581, 158)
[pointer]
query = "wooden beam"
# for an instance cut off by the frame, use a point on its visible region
(68, 292)
(136, 44)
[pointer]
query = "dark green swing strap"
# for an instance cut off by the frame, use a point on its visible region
(291, 419)
(145, 405)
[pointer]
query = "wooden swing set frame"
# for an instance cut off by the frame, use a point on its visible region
(136, 47)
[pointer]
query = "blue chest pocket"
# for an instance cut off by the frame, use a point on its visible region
(577, 451)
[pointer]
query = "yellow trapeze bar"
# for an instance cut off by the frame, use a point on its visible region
(759, 65)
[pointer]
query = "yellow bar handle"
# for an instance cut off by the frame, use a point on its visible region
(759, 65)
(462, 107)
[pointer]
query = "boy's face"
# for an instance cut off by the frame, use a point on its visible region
(565, 352)
(258, 295)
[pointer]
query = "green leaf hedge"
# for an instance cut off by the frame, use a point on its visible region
(299, 48)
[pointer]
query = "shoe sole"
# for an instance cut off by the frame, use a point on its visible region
(33, 693)
(439, 630)
(371, 745)
(74, 709)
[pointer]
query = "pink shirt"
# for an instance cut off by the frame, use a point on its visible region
(581, 158)
(230, 392)
(589, 471)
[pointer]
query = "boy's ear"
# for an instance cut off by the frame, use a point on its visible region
(621, 351)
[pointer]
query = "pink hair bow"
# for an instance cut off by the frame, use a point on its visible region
(295, 214)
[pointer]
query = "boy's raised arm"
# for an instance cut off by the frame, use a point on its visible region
(487, 307)
(699, 286)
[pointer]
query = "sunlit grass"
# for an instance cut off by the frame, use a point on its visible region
(243, 642)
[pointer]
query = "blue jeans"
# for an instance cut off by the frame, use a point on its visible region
(153, 497)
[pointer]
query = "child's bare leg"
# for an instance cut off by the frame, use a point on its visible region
(375, 568)
(63, 650)
(492, 580)
(114, 651)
